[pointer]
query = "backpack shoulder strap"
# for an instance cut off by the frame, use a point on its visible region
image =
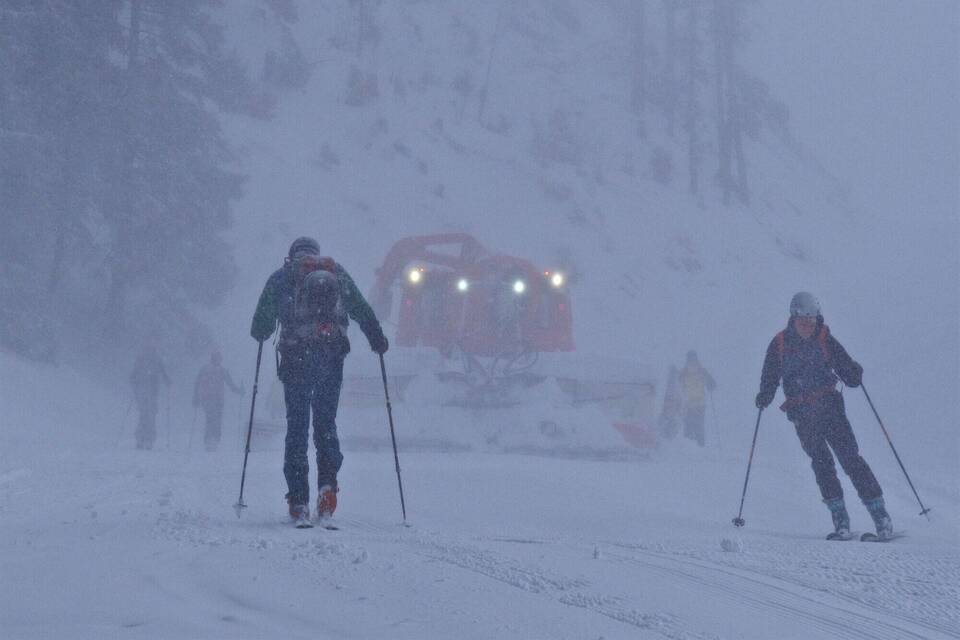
(822, 340)
(779, 339)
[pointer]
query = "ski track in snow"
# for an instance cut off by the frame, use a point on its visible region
(847, 591)
(193, 528)
(785, 591)
(770, 577)
(568, 591)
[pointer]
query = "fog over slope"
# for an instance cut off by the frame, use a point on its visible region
(688, 165)
(852, 200)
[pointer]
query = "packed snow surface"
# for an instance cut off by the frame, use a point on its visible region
(536, 521)
(99, 540)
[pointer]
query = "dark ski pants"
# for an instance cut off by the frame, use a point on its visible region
(693, 424)
(822, 426)
(317, 389)
(214, 425)
(668, 426)
(147, 406)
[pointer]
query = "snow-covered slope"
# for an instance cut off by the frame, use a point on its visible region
(547, 163)
(99, 540)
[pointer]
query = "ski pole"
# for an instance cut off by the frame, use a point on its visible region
(253, 401)
(923, 510)
(193, 426)
(393, 437)
(716, 425)
(168, 417)
(123, 424)
(738, 521)
(240, 405)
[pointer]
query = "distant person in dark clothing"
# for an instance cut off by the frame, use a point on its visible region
(148, 373)
(208, 395)
(672, 405)
(695, 383)
(809, 361)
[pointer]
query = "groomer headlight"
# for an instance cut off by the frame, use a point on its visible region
(557, 280)
(415, 276)
(519, 287)
(462, 285)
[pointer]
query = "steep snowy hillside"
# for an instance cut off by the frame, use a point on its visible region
(394, 137)
(564, 177)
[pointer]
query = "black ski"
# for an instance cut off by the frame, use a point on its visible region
(872, 537)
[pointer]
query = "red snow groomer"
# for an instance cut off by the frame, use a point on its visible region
(494, 313)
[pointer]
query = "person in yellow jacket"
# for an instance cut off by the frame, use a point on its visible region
(695, 383)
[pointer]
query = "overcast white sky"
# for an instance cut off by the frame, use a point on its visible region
(872, 87)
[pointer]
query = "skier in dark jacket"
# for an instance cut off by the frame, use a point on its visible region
(148, 372)
(208, 395)
(809, 361)
(312, 297)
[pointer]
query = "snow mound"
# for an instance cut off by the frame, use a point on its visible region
(731, 545)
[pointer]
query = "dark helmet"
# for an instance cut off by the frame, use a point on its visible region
(304, 246)
(691, 356)
(805, 305)
(215, 357)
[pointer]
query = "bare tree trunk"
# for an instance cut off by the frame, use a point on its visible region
(360, 27)
(638, 92)
(737, 183)
(729, 115)
(485, 89)
(670, 88)
(742, 188)
(63, 204)
(120, 256)
(366, 26)
(721, 34)
(692, 103)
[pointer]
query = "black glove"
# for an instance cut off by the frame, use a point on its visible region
(764, 398)
(856, 377)
(378, 341)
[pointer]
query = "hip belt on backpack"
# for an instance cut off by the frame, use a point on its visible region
(808, 397)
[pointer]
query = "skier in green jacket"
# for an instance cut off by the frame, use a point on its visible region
(312, 298)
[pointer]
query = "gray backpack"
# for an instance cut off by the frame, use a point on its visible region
(318, 316)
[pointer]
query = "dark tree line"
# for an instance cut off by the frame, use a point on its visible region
(682, 52)
(115, 177)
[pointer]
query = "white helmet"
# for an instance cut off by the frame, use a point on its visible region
(804, 304)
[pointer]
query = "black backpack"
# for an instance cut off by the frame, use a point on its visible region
(318, 314)
(316, 322)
